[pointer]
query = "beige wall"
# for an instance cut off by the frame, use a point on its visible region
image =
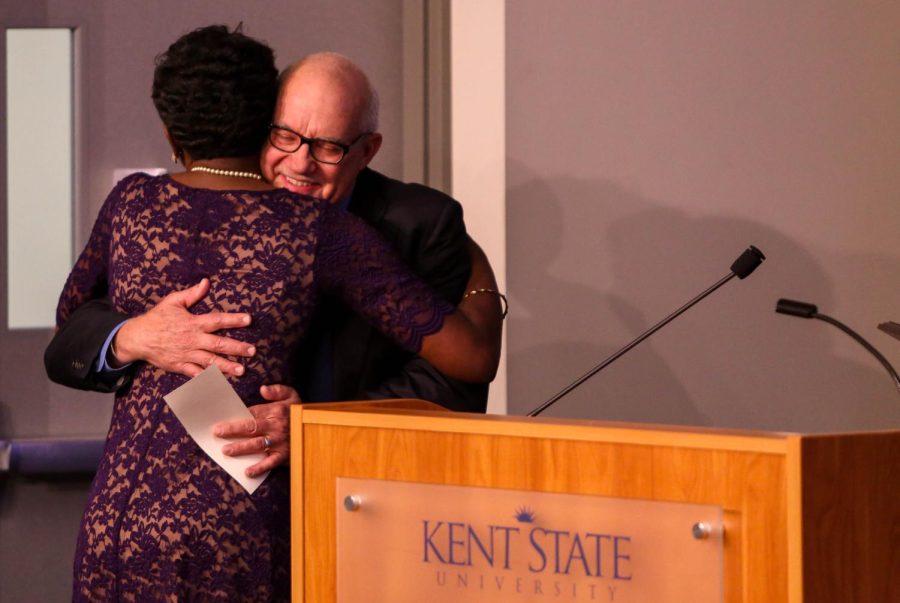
(648, 143)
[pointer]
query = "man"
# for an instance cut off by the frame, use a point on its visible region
(327, 110)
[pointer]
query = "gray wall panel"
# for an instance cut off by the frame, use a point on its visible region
(648, 144)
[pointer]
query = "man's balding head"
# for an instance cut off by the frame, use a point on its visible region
(346, 77)
(324, 96)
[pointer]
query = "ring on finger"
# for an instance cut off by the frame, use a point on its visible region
(267, 443)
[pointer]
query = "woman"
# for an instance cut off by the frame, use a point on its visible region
(164, 522)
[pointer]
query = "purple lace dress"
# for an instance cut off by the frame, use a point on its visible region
(163, 522)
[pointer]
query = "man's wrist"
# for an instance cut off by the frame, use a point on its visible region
(120, 350)
(108, 360)
(112, 356)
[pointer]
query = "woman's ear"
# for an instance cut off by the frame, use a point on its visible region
(177, 152)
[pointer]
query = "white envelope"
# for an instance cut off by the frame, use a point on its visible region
(202, 402)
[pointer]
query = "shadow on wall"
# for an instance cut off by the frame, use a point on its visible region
(5, 434)
(595, 265)
(5, 421)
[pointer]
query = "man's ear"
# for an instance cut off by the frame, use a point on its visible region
(371, 145)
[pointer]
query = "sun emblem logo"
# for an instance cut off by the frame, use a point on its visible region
(525, 515)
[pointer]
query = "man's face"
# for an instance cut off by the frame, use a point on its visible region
(318, 106)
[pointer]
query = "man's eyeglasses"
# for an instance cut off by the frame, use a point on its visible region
(323, 151)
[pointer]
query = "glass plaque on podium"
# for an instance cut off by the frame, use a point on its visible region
(408, 542)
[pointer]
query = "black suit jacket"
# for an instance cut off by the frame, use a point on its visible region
(425, 226)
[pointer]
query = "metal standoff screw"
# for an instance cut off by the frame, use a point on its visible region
(352, 502)
(701, 530)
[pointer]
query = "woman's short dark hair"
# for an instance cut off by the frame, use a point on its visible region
(215, 91)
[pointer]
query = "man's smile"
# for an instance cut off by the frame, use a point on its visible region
(299, 185)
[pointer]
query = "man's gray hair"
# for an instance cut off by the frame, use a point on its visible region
(347, 69)
(368, 119)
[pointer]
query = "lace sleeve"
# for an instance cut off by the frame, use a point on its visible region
(354, 263)
(89, 276)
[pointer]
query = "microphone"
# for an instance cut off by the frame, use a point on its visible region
(804, 310)
(745, 264)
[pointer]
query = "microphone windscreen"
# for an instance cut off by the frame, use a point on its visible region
(796, 308)
(747, 262)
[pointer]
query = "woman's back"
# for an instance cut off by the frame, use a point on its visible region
(158, 505)
(164, 515)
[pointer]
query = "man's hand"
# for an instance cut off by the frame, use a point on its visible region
(268, 431)
(171, 338)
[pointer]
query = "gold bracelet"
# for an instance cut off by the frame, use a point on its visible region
(497, 293)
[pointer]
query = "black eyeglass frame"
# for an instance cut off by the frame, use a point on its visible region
(304, 140)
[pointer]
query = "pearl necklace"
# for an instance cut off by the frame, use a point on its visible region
(233, 173)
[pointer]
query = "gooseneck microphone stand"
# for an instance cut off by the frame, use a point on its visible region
(804, 310)
(741, 268)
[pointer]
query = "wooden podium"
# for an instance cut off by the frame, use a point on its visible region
(807, 518)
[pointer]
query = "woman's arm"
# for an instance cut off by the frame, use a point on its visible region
(89, 276)
(356, 264)
(476, 327)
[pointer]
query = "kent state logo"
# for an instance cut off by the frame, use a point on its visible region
(526, 545)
